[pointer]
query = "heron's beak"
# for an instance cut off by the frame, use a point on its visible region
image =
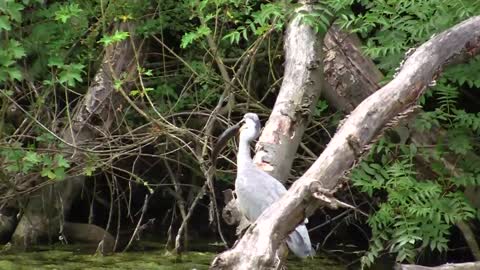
(223, 139)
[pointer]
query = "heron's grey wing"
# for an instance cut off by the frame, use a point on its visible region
(276, 188)
(299, 242)
(257, 190)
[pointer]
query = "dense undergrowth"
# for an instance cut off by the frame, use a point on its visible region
(198, 55)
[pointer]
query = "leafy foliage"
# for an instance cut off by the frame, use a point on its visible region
(118, 36)
(18, 160)
(67, 11)
(415, 213)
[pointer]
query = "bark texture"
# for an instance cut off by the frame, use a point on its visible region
(256, 249)
(350, 77)
(92, 118)
(298, 95)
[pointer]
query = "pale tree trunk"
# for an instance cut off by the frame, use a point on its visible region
(291, 114)
(298, 95)
(256, 249)
(44, 214)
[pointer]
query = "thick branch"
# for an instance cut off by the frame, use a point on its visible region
(365, 122)
(351, 77)
(297, 97)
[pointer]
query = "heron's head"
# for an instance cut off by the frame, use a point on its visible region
(251, 127)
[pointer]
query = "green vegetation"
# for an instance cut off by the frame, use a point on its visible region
(418, 211)
(194, 54)
(70, 259)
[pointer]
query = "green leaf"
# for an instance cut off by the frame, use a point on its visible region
(55, 61)
(59, 173)
(188, 39)
(71, 74)
(134, 93)
(89, 170)
(12, 9)
(233, 37)
(5, 23)
(45, 137)
(14, 74)
(7, 92)
(12, 168)
(32, 157)
(367, 169)
(203, 31)
(47, 172)
(61, 161)
(66, 12)
(117, 37)
(148, 72)
(16, 49)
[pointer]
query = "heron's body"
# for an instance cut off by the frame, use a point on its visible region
(255, 196)
(256, 190)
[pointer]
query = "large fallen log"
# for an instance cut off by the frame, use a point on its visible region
(256, 249)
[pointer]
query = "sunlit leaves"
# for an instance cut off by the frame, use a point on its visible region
(92, 164)
(50, 165)
(414, 213)
(140, 92)
(10, 52)
(71, 74)
(234, 36)
(189, 38)
(392, 27)
(67, 11)
(116, 37)
(318, 18)
(12, 9)
(5, 23)
(54, 167)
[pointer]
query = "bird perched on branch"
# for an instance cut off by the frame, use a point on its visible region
(256, 190)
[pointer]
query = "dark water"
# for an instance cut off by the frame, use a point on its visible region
(72, 259)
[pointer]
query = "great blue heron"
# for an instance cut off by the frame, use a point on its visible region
(256, 190)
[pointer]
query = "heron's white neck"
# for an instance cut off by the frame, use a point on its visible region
(244, 158)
